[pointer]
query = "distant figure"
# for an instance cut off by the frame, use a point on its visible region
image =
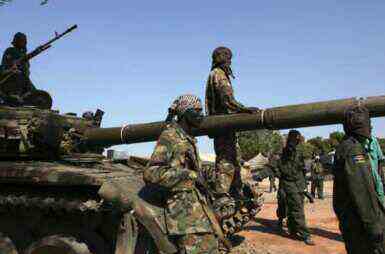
(358, 206)
(317, 178)
(292, 185)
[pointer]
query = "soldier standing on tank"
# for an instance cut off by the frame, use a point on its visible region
(317, 178)
(174, 167)
(219, 101)
(292, 187)
(19, 85)
(355, 200)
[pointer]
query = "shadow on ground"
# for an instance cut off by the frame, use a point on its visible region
(270, 227)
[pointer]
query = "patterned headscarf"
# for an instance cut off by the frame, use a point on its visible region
(182, 104)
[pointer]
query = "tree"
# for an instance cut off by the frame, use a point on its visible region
(321, 145)
(335, 138)
(259, 141)
(3, 2)
(306, 149)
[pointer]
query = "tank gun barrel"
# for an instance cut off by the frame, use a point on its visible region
(292, 116)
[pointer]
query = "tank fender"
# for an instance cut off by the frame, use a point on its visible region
(119, 195)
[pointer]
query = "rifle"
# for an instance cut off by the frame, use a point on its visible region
(36, 52)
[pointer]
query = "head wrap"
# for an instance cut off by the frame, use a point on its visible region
(357, 121)
(293, 139)
(18, 36)
(221, 58)
(182, 104)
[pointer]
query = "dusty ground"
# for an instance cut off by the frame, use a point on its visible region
(262, 237)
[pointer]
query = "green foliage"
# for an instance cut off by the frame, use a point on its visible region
(335, 139)
(307, 149)
(259, 141)
(321, 146)
(3, 2)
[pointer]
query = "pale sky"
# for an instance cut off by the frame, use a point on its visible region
(132, 58)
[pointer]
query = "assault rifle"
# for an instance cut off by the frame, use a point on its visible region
(35, 52)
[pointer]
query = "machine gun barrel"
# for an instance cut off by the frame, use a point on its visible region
(292, 116)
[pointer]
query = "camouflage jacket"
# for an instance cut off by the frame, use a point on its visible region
(220, 95)
(173, 165)
(354, 189)
(10, 55)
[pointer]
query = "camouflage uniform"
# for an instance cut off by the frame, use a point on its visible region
(292, 184)
(174, 167)
(355, 201)
(220, 100)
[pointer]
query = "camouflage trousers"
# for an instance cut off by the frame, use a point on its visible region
(282, 204)
(317, 185)
(227, 164)
(296, 222)
(204, 243)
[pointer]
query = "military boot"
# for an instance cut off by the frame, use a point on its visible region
(308, 240)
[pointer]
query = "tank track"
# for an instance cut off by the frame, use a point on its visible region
(27, 218)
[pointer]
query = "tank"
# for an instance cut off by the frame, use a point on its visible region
(53, 185)
(61, 195)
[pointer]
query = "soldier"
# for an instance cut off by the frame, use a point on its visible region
(174, 167)
(292, 188)
(355, 200)
(18, 90)
(317, 178)
(19, 84)
(220, 100)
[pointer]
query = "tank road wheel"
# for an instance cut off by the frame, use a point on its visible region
(6, 245)
(59, 245)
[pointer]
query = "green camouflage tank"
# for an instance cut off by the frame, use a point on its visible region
(56, 190)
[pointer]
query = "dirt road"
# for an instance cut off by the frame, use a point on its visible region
(263, 237)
